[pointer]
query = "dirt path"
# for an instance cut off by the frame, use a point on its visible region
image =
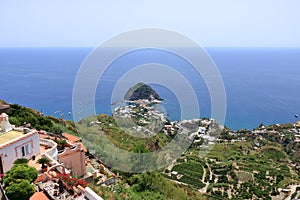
(204, 174)
(178, 182)
(170, 167)
(210, 172)
(292, 172)
(293, 190)
(204, 189)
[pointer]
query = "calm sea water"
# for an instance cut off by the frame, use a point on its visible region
(262, 84)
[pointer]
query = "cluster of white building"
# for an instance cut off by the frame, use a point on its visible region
(16, 143)
(26, 143)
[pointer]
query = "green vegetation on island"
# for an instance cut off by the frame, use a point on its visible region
(141, 91)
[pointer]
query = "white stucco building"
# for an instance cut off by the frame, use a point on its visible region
(16, 143)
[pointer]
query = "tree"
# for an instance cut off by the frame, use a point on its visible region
(18, 182)
(15, 121)
(20, 172)
(56, 129)
(22, 190)
(43, 162)
(63, 143)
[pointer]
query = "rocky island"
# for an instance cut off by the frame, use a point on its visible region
(141, 91)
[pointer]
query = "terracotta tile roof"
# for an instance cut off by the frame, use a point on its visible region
(39, 196)
(71, 138)
(40, 178)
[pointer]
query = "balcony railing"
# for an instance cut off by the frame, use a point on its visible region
(52, 151)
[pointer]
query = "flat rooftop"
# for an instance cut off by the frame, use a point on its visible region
(10, 135)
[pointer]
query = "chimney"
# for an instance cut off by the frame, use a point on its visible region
(4, 123)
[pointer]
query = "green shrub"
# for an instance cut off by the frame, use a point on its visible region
(21, 190)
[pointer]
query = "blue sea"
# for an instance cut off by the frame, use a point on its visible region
(262, 84)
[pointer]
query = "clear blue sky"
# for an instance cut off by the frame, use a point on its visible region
(208, 22)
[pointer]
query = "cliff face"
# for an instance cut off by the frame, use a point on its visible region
(141, 91)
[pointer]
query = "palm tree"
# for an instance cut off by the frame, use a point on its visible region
(63, 143)
(43, 161)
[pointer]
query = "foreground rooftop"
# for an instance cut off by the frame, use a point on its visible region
(10, 135)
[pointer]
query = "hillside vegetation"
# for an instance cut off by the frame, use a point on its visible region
(20, 115)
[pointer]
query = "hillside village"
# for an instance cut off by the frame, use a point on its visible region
(63, 163)
(220, 163)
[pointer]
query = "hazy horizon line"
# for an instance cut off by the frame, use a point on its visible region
(93, 47)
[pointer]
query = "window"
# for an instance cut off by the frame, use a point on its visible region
(24, 150)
